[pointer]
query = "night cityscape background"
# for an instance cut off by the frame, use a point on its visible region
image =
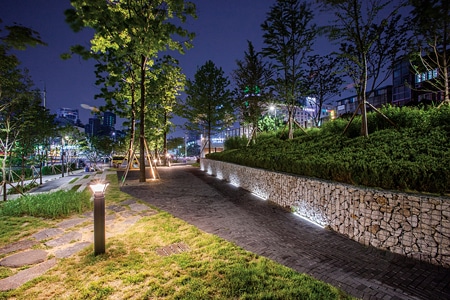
(222, 30)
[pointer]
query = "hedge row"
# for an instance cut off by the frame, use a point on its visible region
(414, 156)
(46, 170)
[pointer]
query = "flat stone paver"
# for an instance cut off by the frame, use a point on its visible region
(234, 214)
(138, 207)
(65, 239)
(25, 258)
(17, 246)
(47, 233)
(69, 251)
(24, 276)
(116, 208)
(71, 223)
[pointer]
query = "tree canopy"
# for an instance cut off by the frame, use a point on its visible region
(370, 39)
(252, 79)
(208, 105)
(288, 36)
(129, 36)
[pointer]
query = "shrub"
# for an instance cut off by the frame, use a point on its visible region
(235, 142)
(413, 156)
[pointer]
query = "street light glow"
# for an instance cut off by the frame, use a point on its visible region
(98, 187)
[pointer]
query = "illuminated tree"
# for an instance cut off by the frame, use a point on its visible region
(252, 85)
(22, 118)
(288, 35)
(324, 81)
(133, 33)
(208, 105)
(370, 38)
(164, 88)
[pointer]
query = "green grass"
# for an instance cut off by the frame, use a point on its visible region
(48, 205)
(17, 228)
(131, 268)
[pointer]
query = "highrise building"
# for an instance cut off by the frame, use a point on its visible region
(109, 119)
(70, 114)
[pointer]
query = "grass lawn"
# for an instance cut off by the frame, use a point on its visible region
(132, 267)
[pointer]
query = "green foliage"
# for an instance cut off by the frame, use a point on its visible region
(22, 189)
(416, 156)
(269, 123)
(235, 142)
(288, 36)
(251, 78)
(56, 169)
(47, 205)
(129, 36)
(15, 176)
(208, 105)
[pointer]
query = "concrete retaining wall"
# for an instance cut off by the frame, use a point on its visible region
(413, 225)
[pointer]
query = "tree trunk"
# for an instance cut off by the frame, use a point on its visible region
(165, 140)
(142, 124)
(133, 125)
(209, 137)
(363, 83)
(291, 123)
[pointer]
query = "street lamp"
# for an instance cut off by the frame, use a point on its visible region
(67, 154)
(98, 188)
(273, 108)
(62, 156)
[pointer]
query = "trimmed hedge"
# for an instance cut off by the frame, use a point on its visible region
(46, 170)
(414, 157)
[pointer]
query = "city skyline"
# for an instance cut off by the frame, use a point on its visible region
(222, 30)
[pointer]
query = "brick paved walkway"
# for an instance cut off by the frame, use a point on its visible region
(237, 216)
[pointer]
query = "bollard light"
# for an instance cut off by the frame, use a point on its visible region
(98, 188)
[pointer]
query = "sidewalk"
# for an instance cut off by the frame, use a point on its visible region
(49, 182)
(265, 229)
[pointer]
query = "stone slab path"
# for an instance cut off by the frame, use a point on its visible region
(64, 240)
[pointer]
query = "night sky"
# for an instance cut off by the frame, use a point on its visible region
(222, 30)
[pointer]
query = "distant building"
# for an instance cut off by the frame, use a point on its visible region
(402, 80)
(93, 127)
(103, 125)
(409, 88)
(378, 98)
(109, 119)
(69, 114)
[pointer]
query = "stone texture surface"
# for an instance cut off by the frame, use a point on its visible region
(30, 257)
(47, 233)
(416, 226)
(23, 276)
(20, 245)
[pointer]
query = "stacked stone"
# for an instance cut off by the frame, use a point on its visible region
(413, 225)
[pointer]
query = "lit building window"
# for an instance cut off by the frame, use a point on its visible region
(426, 75)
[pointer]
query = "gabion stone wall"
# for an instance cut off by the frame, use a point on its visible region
(413, 225)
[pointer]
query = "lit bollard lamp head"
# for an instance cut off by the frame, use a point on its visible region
(98, 186)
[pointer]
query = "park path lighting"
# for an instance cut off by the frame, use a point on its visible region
(98, 188)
